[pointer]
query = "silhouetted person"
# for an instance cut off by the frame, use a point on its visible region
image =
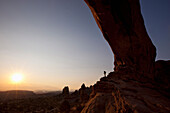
(104, 73)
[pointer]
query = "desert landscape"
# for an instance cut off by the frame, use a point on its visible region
(138, 84)
(20, 101)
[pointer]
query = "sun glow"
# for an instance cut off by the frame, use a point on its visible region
(16, 78)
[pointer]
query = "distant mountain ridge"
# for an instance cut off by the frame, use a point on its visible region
(16, 94)
(40, 92)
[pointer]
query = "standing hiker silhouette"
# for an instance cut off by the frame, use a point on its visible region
(104, 73)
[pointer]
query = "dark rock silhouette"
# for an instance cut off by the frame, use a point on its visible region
(78, 98)
(123, 27)
(138, 84)
(65, 91)
(162, 74)
(65, 107)
(83, 86)
(84, 95)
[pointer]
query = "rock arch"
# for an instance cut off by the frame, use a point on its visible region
(123, 27)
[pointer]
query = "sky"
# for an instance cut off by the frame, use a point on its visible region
(57, 43)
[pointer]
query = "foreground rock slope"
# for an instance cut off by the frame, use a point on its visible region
(117, 93)
(138, 84)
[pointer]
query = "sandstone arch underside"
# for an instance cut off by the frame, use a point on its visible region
(123, 27)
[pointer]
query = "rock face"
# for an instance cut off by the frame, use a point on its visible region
(119, 94)
(123, 27)
(107, 103)
(138, 84)
(162, 74)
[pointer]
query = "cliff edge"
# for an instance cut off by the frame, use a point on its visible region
(138, 83)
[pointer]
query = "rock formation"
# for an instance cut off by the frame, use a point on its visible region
(84, 96)
(123, 27)
(65, 91)
(132, 96)
(65, 107)
(138, 84)
(77, 99)
(162, 74)
(108, 103)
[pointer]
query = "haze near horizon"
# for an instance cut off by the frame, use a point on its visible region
(54, 43)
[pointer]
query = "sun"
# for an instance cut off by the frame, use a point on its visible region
(17, 78)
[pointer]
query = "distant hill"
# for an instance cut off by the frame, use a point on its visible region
(16, 94)
(46, 92)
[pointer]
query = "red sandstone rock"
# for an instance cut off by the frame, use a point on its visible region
(123, 27)
(124, 95)
(135, 86)
(162, 74)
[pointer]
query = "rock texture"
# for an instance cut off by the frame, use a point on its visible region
(162, 74)
(107, 103)
(134, 96)
(123, 27)
(138, 84)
